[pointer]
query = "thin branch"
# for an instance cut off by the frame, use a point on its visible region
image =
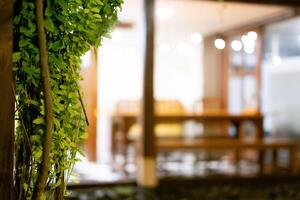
(81, 101)
(21, 120)
(45, 76)
(83, 108)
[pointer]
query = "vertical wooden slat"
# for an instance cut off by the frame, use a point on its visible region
(6, 101)
(146, 176)
(89, 87)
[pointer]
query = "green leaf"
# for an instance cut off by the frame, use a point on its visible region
(49, 25)
(31, 102)
(97, 16)
(23, 43)
(56, 46)
(25, 186)
(85, 135)
(99, 2)
(39, 120)
(35, 138)
(96, 10)
(16, 56)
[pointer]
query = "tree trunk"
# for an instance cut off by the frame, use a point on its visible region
(6, 101)
(45, 76)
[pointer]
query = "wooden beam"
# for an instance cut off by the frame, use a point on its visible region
(284, 15)
(267, 2)
(146, 176)
(7, 100)
(124, 25)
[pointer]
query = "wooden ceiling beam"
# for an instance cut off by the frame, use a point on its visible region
(289, 13)
(267, 2)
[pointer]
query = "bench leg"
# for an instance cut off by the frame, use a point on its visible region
(293, 160)
(275, 160)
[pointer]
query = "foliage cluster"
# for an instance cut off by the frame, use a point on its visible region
(72, 27)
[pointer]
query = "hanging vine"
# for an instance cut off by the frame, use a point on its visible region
(72, 27)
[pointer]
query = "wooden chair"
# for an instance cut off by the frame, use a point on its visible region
(162, 130)
(211, 105)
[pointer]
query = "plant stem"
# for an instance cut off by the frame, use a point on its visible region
(45, 76)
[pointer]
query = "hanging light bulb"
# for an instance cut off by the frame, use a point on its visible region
(196, 37)
(220, 43)
(252, 35)
(236, 45)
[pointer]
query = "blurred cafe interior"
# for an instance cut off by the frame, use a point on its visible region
(226, 100)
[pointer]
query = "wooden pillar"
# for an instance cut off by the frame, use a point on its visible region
(146, 163)
(6, 100)
(89, 87)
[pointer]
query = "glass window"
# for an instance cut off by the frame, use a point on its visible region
(282, 39)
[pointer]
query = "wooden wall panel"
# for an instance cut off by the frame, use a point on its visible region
(89, 88)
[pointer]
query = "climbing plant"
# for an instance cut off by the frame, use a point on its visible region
(72, 28)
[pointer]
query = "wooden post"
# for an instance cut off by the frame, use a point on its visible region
(6, 100)
(146, 163)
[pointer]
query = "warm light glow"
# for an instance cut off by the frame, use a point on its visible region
(252, 35)
(164, 12)
(86, 60)
(249, 50)
(164, 48)
(116, 36)
(185, 49)
(276, 60)
(236, 45)
(245, 39)
(196, 38)
(249, 44)
(220, 43)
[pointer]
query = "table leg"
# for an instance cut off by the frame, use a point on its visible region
(261, 159)
(259, 129)
(294, 160)
(113, 142)
(237, 160)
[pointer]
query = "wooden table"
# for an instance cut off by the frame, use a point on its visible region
(121, 123)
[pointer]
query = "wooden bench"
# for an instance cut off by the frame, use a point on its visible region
(236, 145)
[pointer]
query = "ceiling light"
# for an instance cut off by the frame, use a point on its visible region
(236, 45)
(249, 44)
(196, 38)
(220, 43)
(248, 41)
(164, 48)
(252, 35)
(245, 39)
